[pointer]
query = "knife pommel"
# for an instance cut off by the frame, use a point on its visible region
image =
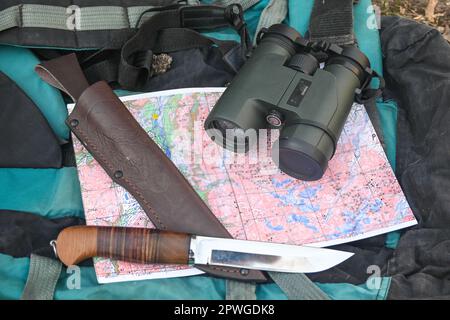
(139, 245)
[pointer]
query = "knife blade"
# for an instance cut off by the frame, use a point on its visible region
(141, 245)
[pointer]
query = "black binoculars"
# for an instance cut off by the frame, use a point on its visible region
(282, 86)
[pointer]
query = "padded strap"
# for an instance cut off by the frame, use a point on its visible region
(89, 18)
(297, 286)
(332, 21)
(42, 278)
(238, 290)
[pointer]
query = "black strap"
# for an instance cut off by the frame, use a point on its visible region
(162, 33)
(105, 69)
(367, 93)
(331, 26)
(332, 21)
(175, 39)
(104, 65)
(170, 30)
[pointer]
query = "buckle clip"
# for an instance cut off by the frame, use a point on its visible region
(235, 15)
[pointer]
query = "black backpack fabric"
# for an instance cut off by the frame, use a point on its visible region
(417, 72)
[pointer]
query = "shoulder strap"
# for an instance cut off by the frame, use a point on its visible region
(332, 21)
(42, 278)
(239, 290)
(275, 12)
(59, 26)
(297, 286)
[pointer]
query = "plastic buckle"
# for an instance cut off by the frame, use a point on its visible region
(261, 34)
(235, 15)
(365, 93)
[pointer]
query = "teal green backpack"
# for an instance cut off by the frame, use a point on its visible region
(54, 193)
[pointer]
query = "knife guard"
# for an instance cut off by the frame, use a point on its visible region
(133, 160)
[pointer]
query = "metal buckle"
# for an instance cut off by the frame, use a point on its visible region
(53, 245)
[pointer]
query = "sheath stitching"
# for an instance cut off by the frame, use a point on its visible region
(147, 204)
(223, 270)
(134, 187)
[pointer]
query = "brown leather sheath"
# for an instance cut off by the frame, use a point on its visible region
(133, 160)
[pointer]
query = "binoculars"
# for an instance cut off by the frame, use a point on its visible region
(282, 86)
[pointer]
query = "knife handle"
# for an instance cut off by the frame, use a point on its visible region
(138, 245)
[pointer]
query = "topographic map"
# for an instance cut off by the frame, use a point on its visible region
(358, 197)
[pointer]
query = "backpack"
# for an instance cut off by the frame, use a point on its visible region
(40, 195)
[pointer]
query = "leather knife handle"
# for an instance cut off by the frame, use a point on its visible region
(134, 161)
(139, 245)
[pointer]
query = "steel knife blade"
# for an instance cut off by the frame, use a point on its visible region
(141, 245)
(266, 256)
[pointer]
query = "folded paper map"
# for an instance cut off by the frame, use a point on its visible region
(358, 197)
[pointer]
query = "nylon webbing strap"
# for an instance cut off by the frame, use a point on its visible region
(275, 12)
(332, 21)
(297, 286)
(74, 18)
(42, 278)
(239, 290)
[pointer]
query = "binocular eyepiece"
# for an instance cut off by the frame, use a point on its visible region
(282, 86)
